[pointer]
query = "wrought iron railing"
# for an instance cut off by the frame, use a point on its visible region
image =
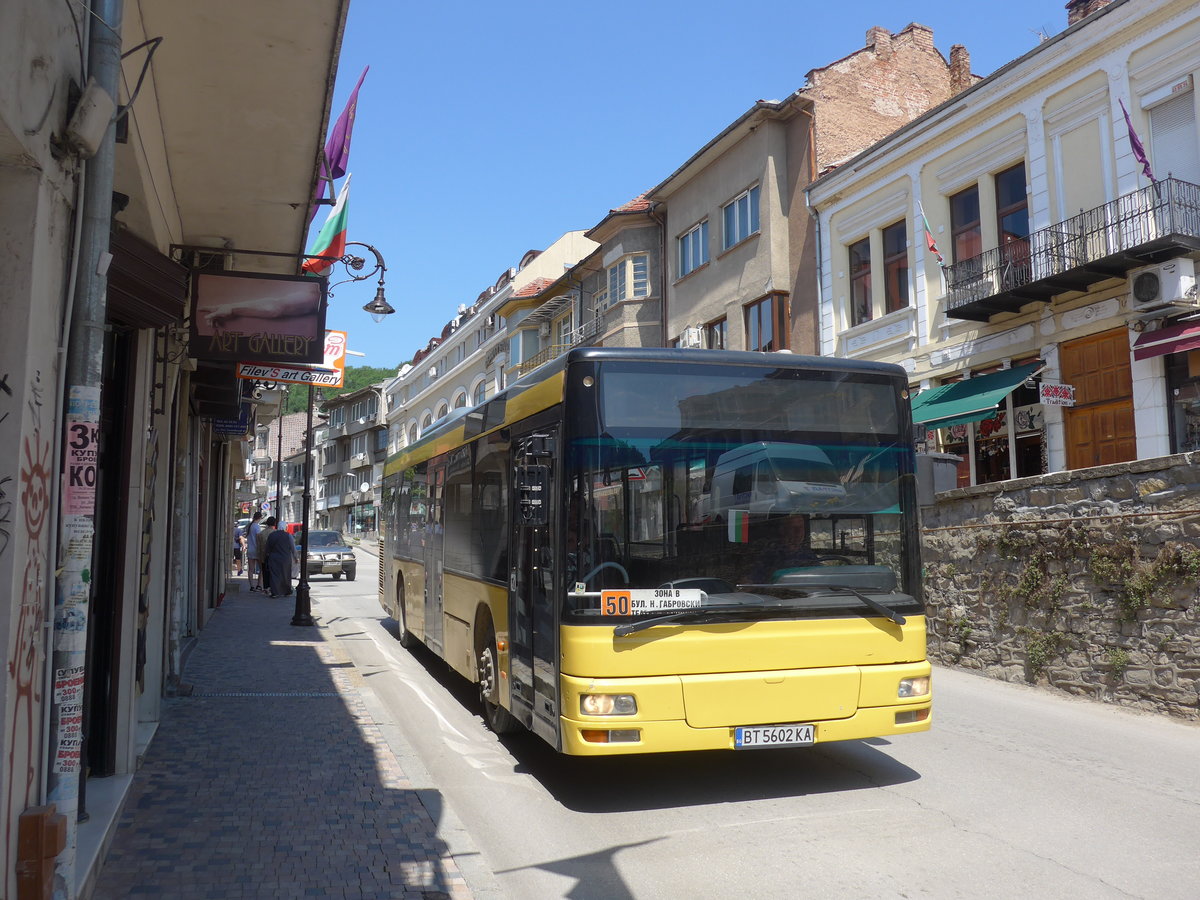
(1150, 214)
(575, 337)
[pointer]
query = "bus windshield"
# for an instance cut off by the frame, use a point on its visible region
(756, 484)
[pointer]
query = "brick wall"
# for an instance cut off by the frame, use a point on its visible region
(867, 95)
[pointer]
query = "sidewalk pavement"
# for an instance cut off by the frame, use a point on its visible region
(272, 780)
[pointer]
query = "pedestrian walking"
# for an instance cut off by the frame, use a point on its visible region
(239, 546)
(281, 556)
(252, 561)
(260, 552)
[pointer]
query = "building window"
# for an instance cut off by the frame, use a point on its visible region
(860, 282)
(480, 393)
(443, 410)
(693, 249)
(895, 267)
(358, 444)
(426, 422)
(564, 329)
(767, 324)
(1173, 146)
(741, 218)
(627, 280)
(966, 239)
(717, 335)
(412, 434)
(1012, 219)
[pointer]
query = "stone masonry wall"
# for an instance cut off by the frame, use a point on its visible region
(1087, 582)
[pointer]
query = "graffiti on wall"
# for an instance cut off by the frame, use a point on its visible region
(24, 530)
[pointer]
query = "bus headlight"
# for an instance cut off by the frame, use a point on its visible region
(913, 687)
(607, 704)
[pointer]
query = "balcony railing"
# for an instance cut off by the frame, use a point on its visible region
(1137, 229)
(576, 337)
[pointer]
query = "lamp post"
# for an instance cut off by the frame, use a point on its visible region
(379, 308)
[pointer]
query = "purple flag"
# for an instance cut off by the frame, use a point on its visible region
(337, 148)
(1135, 144)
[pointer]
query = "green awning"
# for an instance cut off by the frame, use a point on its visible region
(969, 400)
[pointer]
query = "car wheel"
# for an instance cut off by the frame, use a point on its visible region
(349, 573)
(498, 719)
(337, 575)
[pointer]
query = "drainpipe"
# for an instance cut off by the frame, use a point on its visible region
(816, 217)
(662, 275)
(84, 377)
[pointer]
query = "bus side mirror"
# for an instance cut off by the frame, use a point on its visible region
(533, 494)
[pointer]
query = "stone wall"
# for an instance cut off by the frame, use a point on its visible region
(1082, 581)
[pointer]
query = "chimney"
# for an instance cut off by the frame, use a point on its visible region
(880, 39)
(1081, 9)
(960, 69)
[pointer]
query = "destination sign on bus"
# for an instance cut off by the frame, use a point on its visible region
(650, 600)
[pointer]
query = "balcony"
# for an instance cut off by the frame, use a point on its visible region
(577, 336)
(1147, 226)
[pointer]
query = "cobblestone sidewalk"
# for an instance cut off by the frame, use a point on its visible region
(272, 781)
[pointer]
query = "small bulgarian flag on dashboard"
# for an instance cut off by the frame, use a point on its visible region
(739, 526)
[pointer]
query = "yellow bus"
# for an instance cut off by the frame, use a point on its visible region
(650, 550)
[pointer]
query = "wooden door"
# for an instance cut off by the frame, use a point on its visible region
(1099, 428)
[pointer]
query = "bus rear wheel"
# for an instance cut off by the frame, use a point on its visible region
(498, 719)
(407, 641)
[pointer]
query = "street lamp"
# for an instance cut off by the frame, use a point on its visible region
(379, 308)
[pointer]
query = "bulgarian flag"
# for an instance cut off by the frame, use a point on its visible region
(331, 241)
(929, 241)
(739, 526)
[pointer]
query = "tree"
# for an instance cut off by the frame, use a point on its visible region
(356, 377)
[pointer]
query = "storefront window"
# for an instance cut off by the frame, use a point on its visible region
(1183, 393)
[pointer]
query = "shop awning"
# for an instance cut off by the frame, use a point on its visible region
(970, 400)
(1172, 339)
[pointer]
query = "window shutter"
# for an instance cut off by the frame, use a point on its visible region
(1173, 139)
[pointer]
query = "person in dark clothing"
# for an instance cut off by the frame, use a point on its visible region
(788, 547)
(281, 555)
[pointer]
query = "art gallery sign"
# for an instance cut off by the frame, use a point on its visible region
(331, 372)
(271, 319)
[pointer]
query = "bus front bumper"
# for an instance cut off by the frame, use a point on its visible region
(662, 725)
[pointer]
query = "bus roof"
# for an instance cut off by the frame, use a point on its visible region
(553, 369)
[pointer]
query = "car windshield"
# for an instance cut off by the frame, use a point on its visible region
(724, 479)
(325, 539)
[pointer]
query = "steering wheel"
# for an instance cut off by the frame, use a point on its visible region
(604, 565)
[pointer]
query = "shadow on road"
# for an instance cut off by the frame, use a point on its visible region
(670, 780)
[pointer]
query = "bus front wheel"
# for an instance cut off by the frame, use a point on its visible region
(498, 719)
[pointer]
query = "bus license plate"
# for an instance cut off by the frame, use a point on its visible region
(753, 737)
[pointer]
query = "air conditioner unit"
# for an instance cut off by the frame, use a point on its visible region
(544, 330)
(1172, 283)
(692, 338)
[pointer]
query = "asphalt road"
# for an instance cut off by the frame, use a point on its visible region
(1014, 793)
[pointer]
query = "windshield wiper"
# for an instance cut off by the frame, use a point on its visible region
(643, 624)
(886, 611)
(875, 605)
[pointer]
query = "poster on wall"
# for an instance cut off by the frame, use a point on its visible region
(258, 317)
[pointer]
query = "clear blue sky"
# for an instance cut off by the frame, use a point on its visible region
(488, 129)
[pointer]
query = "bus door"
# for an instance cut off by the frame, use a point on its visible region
(533, 625)
(434, 539)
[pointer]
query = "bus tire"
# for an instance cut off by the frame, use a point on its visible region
(407, 641)
(498, 719)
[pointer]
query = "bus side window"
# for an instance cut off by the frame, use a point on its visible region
(489, 509)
